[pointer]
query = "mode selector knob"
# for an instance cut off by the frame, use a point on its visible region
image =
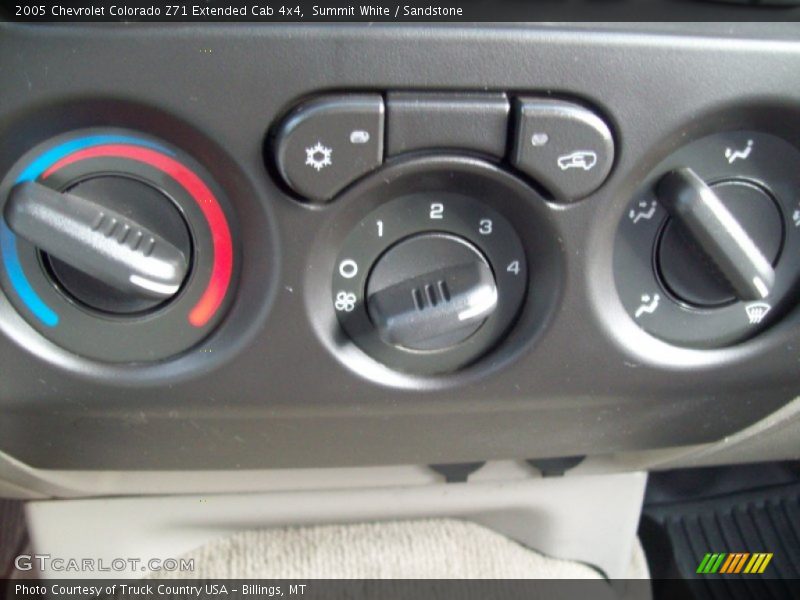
(721, 241)
(704, 256)
(430, 291)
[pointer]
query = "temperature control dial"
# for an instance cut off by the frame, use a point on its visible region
(115, 245)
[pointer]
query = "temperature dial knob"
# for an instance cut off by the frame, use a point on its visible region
(115, 246)
(114, 243)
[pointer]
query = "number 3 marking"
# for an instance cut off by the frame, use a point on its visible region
(485, 227)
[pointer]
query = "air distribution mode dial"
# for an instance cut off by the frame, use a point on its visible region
(705, 254)
(721, 240)
(115, 245)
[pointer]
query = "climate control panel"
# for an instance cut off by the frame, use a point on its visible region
(351, 249)
(118, 247)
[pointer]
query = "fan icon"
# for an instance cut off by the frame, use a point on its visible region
(319, 156)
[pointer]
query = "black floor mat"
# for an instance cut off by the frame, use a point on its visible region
(679, 532)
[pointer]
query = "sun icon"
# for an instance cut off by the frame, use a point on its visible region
(318, 156)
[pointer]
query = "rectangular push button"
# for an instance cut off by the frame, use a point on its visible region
(442, 121)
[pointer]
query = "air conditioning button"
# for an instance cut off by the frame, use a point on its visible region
(328, 143)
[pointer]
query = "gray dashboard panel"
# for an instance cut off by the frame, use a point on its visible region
(267, 390)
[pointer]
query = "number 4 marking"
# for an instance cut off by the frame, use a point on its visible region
(513, 267)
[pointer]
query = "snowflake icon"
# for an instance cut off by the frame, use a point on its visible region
(319, 156)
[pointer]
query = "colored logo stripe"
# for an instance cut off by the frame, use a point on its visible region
(8, 241)
(710, 563)
(734, 562)
(221, 271)
(758, 563)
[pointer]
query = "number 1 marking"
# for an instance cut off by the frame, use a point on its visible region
(380, 228)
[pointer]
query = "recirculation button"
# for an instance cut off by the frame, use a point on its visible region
(567, 148)
(329, 142)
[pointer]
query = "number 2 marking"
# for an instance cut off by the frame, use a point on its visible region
(437, 210)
